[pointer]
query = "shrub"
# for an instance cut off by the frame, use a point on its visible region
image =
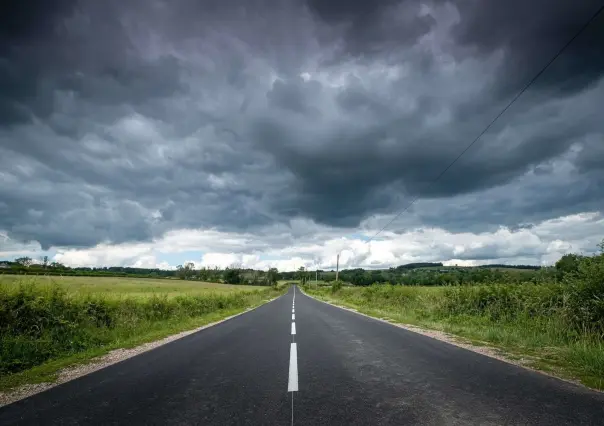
(336, 286)
(585, 305)
(39, 323)
(503, 302)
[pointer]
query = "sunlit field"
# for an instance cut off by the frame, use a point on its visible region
(125, 287)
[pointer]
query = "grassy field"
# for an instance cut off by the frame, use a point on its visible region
(48, 324)
(121, 287)
(540, 324)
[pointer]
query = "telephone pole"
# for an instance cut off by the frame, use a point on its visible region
(337, 266)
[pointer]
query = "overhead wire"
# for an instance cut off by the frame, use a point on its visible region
(494, 120)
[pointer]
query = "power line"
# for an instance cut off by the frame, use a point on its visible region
(486, 129)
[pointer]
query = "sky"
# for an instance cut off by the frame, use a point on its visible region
(279, 133)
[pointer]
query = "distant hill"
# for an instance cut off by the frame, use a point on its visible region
(418, 265)
(533, 267)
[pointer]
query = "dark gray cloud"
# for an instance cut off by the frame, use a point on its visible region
(120, 121)
(366, 27)
(530, 33)
(84, 49)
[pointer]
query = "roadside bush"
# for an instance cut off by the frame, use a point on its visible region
(39, 323)
(585, 305)
(503, 302)
(386, 294)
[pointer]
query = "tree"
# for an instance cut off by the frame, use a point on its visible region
(44, 261)
(569, 263)
(255, 279)
(377, 277)
(186, 271)
(203, 274)
(232, 276)
(272, 276)
(336, 286)
(302, 275)
(24, 261)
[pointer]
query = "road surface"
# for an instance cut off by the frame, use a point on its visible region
(299, 360)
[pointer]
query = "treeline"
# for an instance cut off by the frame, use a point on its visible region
(412, 274)
(418, 265)
(441, 276)
(431, 274)
(232, 275)
(25, 266)
(496, 265)
(435, 274)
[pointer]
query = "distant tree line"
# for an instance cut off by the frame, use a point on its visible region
(26, 265)
(432, 274)
(418, 265)
(437, 276)
(495, 265)
(419, 273)
(230, 275)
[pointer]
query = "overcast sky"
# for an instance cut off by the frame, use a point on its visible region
(281, 132)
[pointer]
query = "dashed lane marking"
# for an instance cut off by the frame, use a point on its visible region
(292, 384)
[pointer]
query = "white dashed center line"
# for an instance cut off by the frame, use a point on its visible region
(293, 317)
(292, 384)
(293, 328)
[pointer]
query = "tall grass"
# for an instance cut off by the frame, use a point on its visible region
(39, 323)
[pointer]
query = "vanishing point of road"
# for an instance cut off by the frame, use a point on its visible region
(299, 361)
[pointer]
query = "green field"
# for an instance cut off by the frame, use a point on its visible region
(47, 324)
(125, 287)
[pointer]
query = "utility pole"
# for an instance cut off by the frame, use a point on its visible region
(337, 266)
(316, 278)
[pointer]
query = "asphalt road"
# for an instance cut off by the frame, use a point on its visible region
(339, 368)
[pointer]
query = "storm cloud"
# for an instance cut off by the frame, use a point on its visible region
(121, 121)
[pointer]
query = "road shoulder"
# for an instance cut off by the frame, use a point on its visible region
(486, 350)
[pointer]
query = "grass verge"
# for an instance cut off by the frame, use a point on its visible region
(44, 329)
(531, 329)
